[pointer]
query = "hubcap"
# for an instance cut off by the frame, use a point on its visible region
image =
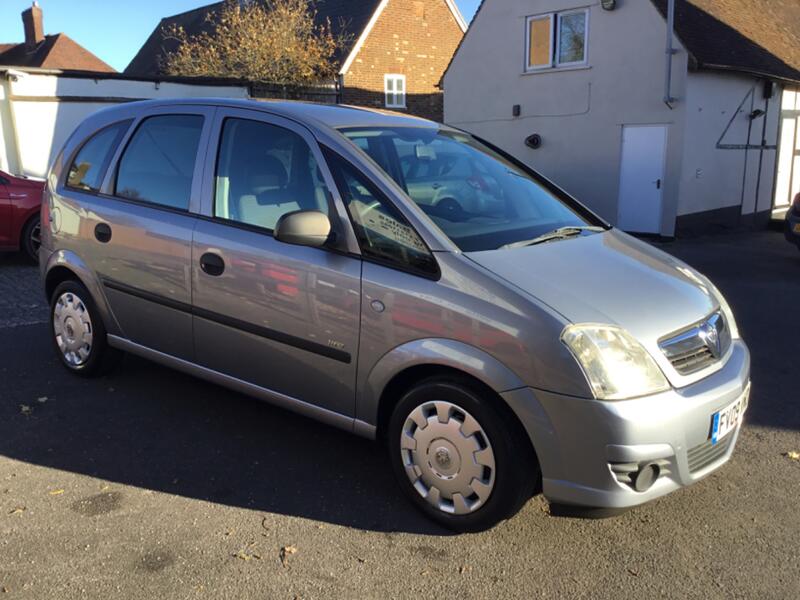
(447, 457)
(73, 329)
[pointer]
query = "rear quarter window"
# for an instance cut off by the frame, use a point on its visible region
(91, 162)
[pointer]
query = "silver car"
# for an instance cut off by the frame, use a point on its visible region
(279, 250)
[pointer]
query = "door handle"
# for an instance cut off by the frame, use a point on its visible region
(658, 184)
(102, 232)
(212, 264)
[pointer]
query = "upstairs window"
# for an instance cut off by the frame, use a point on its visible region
(556, 40)
(395, 89)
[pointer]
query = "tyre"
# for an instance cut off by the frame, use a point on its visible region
(32, 238)
(78, 333)
(458, 457)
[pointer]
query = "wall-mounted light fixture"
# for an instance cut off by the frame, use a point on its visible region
(608, 4)
(534, 141)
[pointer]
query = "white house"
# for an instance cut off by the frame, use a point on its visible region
(655, 132)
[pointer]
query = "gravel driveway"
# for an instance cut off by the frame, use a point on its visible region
(151, 484)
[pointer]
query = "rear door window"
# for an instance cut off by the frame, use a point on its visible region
(158, 163)
(90, 163)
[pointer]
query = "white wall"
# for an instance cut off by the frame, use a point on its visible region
(787, 185)
(43, 110)
(579, 113)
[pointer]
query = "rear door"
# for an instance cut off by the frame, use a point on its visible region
(280, 316)
(137, 232)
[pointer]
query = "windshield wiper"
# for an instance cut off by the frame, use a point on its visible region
(561, 233)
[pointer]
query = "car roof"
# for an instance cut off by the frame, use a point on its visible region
(335, 116)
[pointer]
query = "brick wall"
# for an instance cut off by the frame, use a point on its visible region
(415, 38)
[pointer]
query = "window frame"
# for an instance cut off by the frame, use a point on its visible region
(216, 155)
(555, 39)
(125, 128)
(131, 134)
(395, 77)
(332, 157)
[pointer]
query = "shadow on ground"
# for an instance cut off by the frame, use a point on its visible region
(154, 428)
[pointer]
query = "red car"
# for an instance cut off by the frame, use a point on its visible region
(20, 200)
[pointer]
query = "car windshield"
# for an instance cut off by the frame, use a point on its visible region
(477, 197)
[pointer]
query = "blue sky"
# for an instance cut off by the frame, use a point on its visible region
(112, 29)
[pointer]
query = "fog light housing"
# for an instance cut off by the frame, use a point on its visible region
(645, 477)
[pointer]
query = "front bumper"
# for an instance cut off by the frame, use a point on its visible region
(584, 446)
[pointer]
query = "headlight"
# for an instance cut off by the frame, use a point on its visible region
(616, 365)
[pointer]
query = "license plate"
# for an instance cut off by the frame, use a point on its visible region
(726, 420)
(797, 227)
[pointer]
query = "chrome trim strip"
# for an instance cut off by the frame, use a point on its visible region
(282, 400)
(270, 334)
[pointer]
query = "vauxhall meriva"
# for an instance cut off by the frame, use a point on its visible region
(400, 279)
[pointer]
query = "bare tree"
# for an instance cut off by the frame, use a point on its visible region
(274, 41)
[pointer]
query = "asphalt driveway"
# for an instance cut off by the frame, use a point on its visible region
(148, 483)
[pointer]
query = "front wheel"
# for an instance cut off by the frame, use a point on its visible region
(457, 457)
(79, 336)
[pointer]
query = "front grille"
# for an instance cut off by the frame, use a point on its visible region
(698, 346)
(703, 455)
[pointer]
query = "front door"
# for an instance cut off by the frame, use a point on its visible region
(641, 184)
(280, 316)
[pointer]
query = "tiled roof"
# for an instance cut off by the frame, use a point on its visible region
(57, 51)
(349, 17)
(740, 35)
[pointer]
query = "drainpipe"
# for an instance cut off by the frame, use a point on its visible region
(670, 52)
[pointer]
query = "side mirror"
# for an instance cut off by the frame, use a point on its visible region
(303, 228)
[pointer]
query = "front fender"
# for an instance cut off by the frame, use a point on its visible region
(71, 261)
(433, 351)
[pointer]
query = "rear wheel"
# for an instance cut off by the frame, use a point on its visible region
(457, 458)
(32, 238)
(79, 336)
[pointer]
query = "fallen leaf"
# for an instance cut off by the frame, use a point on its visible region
(361, 560)
(17, 510)
(264, 523)
(57, 492)
(792, 455)
(42, 400)
(634, 573)
(25, 409)
(242, 555)
(285, 553)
